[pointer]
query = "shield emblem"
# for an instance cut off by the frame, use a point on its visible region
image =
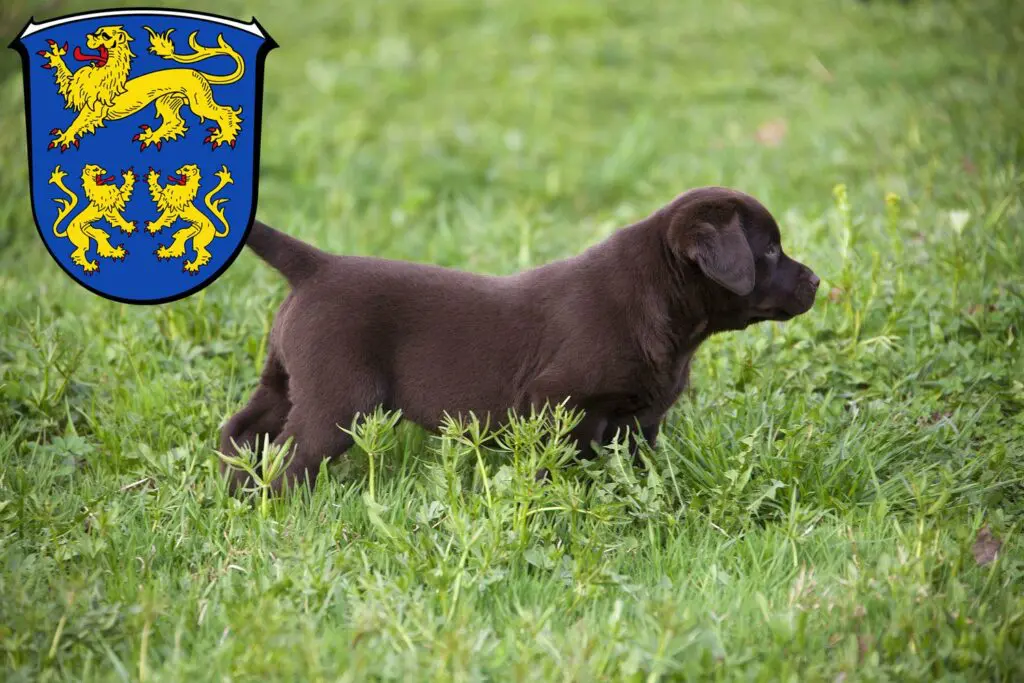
(143, 146)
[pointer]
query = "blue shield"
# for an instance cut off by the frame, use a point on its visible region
(143, 146)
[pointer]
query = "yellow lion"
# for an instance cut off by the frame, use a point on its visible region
(177, 200)
(102, 91)
(106, 201)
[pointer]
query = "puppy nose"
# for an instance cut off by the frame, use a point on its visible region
(815, 280)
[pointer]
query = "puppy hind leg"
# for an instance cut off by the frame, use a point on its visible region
(321, 407)
(264, 415)
(314, 441)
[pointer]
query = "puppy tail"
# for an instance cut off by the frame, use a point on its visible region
(294, 259)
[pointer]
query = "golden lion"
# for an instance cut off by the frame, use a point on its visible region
(177, 200)
(106, 201)
(101, 91)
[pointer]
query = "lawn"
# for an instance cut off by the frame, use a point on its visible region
(838, 498)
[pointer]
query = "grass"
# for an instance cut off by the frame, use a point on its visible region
(814, 509)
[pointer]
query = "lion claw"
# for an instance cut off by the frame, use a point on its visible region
(159, 145)
(47, 66)
(142, 147)
(52, 145)
(55, 131)
(64, 46)
(51, 43)
(41, 53)
(207, 139)
(232, 143)
(136, 138)
(75, 142)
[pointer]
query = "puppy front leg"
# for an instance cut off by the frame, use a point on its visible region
(650, 435)
(551, 390)
(590, 429)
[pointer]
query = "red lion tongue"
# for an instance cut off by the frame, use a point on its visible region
(100, 59)
(100, 180)
(178, 180)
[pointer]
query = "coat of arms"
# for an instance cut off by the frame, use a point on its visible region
(143, 136)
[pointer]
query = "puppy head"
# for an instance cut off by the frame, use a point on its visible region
(732, 241)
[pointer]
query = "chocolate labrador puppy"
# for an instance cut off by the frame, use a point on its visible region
(612, 329)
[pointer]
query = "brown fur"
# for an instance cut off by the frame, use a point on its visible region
(612, 329)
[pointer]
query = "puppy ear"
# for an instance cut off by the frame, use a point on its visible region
(722, 254)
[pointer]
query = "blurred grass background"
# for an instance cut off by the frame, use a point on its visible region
(815, 508)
